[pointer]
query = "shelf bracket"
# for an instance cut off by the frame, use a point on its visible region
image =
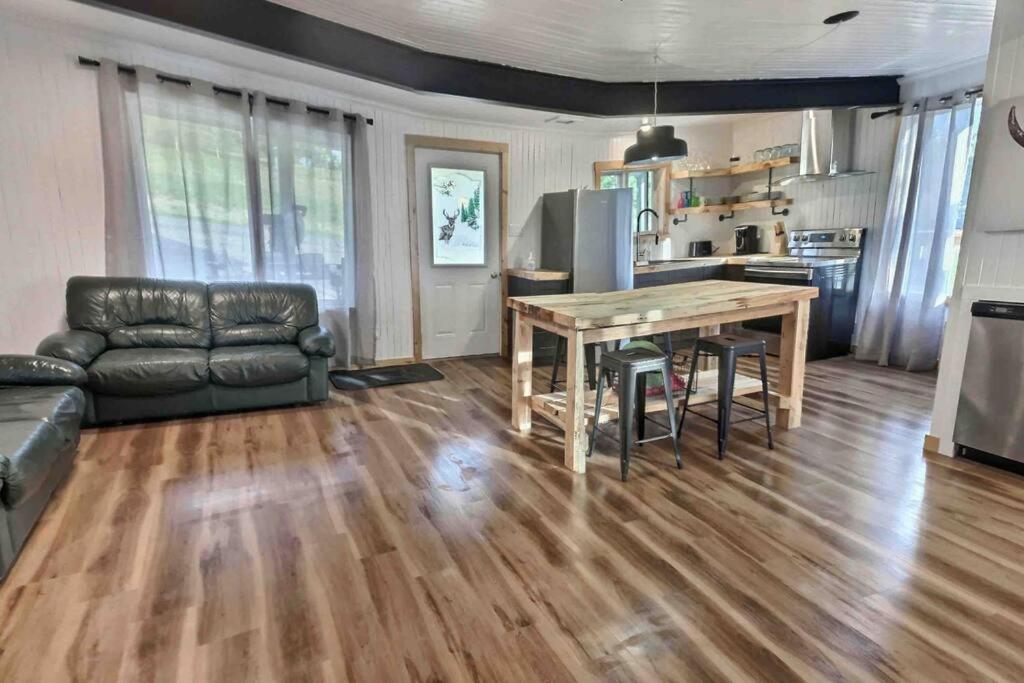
(784, 212)
(723, 217)
(677, 221)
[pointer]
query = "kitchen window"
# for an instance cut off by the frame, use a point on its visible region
(643, 185)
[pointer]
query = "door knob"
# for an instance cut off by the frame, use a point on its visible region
(494, 276)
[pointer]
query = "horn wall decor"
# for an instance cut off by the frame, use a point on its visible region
(1016, 132)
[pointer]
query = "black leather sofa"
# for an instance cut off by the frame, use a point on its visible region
(162, 348)
(41, 405)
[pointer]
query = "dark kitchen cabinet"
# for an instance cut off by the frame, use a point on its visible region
(735, 272)
(641, 280)
(543, 341)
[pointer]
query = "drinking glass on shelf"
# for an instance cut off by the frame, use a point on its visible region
(759, 155)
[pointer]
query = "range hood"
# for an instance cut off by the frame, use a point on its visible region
(827, 137)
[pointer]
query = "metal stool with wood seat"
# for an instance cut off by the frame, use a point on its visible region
(631, 365)
(727, 348)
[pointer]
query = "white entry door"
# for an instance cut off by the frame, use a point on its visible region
(460, 305)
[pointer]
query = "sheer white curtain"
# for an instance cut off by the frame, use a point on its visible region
(306, 211)
(197, 223)
(904, 305)
(210, 184)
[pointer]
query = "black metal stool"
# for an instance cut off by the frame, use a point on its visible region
(589, 354)
(632, 365)
(727, 348)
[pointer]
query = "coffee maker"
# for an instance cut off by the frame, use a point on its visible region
(748, 239)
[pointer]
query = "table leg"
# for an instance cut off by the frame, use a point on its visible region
(575, 423)
(792, 358)
(522, 372)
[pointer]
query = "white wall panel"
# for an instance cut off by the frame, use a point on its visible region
(51, 192)
(51, 201)
(991, 264)
(845, 202)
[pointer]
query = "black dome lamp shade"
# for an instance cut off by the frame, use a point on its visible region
(655, 143)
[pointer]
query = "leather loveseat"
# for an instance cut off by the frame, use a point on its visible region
(162, 348)
(41, 406)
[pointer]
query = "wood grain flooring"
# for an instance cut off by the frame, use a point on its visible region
(409, 534)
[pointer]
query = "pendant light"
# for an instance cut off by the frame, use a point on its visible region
(654, 143)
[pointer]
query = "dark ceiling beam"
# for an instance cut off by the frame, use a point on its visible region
(284, 31)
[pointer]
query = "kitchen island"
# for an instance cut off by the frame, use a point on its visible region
(589, 318)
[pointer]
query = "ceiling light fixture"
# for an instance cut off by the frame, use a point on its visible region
(842, 17)
(653, 142)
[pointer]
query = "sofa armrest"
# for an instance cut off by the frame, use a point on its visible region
(316, 341)
(17, 370)
(78, 346)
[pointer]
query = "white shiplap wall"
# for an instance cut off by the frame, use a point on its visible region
(51, 201)
(991, 264)
(51, 188)
(857, 201)
(51, 194)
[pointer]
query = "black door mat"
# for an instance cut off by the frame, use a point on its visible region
(372, 378)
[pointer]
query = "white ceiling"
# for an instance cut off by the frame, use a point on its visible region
(123, 36)
(614, 40)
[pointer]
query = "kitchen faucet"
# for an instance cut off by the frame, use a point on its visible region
(636, 233)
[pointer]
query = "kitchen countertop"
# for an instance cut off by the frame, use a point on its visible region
(698, 261)
(538, 274)
(678, 264)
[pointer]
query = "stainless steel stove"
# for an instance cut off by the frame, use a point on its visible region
(810, 249)
(828, 260)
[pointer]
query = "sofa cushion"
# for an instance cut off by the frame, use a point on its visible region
(257, 366)
(140, 312)
(37, 425)
(143, 372)
(245, 313)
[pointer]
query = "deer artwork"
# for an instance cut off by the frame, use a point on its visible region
(448, 230)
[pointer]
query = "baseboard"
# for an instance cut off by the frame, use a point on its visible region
(931, 444)
(385, 362)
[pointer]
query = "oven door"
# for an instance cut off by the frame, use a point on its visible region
(800, 277)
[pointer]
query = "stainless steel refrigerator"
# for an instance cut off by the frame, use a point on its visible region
(589, 234)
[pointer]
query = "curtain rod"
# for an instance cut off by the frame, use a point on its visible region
(221, 90)
(942, 100)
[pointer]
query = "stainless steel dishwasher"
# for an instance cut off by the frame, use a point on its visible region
(990, 416)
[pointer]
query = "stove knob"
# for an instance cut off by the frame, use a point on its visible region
(804, 238)
(842, 238)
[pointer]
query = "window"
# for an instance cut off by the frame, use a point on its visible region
(198, 189)
(642, 184)
(963, 166)
(240, 192)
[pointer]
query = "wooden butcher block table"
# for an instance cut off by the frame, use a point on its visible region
(587, 318)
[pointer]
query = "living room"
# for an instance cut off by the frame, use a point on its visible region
(319, 319)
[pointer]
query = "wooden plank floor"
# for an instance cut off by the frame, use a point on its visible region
(408, 534)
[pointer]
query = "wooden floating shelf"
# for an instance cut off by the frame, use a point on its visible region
(741, 206)
(736, 170)
(552, 406)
